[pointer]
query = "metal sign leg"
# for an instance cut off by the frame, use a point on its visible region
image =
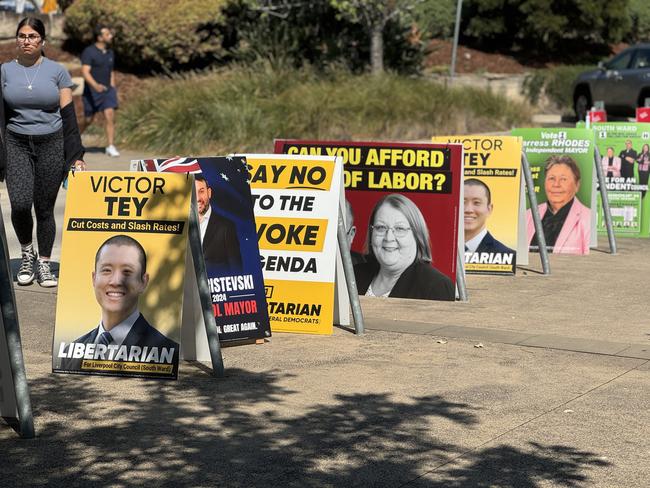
(537, 221)
(14, 346)
(607, 214)
(218, 369)
(348, 269)
(460, 277)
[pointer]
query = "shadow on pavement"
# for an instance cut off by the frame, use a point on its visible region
(505, 466)
(95, 149)
(241, 431)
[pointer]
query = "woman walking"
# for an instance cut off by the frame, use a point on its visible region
(41, 143)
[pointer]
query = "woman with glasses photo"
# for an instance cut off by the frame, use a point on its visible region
(40, 143)
(399, 255)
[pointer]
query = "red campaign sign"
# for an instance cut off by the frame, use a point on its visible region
(597, 116)
(429, 175)
(643, 114)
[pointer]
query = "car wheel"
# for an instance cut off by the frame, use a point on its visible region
(582, 106)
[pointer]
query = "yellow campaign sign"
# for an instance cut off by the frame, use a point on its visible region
(291, 234)
(492, 171)
(296, 229)
(126, 366)
(291, 309)
(287, 174)
(122, 270)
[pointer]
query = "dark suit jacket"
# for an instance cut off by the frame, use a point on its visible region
(627, 168)
(220, 243)
(141, 334)
(420, 280)
(490, 244)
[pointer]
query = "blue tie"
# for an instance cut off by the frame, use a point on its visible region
(106, 338)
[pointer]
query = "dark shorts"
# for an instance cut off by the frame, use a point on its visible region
(98, 102)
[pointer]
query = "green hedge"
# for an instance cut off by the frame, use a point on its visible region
(244, 109)
(153, 34)
(556, 83)
(436, 18)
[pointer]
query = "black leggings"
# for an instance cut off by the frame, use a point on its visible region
(34, 166)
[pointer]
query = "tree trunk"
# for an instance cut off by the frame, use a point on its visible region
(377, 49)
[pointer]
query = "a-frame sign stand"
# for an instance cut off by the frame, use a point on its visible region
(15, 404)
(204, 290)
(537, 221)
(607, 214)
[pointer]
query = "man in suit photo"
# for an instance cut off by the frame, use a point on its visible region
(119, 279)
(218, 233)
(477, 209)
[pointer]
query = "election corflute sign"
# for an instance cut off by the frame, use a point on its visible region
(562, 166)
(122, 274)
(625, 158)
(493, 203)
(403, 213)
(229, 242)
(296, 202)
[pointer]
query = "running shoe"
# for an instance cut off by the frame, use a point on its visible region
(112, 151)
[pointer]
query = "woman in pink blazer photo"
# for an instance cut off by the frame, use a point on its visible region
(565, 220)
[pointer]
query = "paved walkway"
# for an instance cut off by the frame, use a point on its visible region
(590, 304)
(537, 381)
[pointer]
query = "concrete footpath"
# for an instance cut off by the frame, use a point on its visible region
(538, 381)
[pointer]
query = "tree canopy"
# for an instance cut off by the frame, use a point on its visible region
(544, 25)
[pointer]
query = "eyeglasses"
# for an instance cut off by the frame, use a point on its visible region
(28, 38)
(398, 231)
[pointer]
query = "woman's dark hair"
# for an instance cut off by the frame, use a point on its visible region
(34, 23)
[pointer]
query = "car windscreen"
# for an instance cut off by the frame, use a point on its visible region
(642, 59)
(622, 61)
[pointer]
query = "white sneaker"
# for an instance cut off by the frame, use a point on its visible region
(112, 151)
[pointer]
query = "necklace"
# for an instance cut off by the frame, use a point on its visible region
(30, 83)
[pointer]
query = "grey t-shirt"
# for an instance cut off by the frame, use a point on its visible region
(34, 111)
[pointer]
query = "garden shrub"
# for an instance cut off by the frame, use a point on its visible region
(556, 83)
(153, 35)
(640, 16)
(243, 109)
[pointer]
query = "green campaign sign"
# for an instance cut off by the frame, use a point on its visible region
(562, 165)
(625, 158)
